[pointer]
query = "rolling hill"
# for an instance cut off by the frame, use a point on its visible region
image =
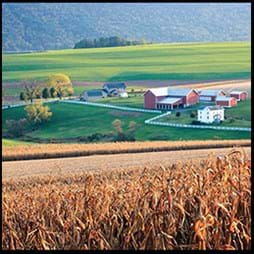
(180, 61)
(43, 26)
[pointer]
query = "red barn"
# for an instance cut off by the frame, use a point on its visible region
(210, 95)
(239, 95)
(226, 101)
(168, 98)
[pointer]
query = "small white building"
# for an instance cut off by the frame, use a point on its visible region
(211, 114)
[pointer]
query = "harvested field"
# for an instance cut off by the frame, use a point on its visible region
(184, 206)
(22, 152)
(18, 169)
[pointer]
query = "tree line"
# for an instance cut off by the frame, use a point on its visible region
(113, 41)
(57, 85)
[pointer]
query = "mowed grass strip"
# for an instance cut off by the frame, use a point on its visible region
(189, 61)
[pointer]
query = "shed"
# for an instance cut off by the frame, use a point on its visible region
(239, 95)
(210, 95)
(226, 101)
(91, 95)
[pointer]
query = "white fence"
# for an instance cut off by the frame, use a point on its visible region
(23, 103)
(113, 106)
(196, 126)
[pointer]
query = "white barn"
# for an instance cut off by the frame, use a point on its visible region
(211, 114)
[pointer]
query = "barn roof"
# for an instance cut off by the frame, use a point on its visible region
(95, 92)
(168, 91)
(115, 85)
(237, 92)
(224, 98)
(209, 92)
(169, 100)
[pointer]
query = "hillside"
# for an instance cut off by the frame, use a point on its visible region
(33, 26)
(181, 61)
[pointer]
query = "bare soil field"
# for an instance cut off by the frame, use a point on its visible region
(18, 169)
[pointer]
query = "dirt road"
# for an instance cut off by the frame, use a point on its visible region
(17, 169)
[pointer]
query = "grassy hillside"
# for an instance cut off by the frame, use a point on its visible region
(71, 121)
(152, 62)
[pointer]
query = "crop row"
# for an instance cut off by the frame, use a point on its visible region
(45, 151)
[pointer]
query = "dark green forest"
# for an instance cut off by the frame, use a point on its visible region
(42, 26)
(113, 41)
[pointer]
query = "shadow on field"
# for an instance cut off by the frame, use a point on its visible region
(123, 76)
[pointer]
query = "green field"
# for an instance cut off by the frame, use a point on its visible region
(70, 120)
(131, 101)
(10, 142)
(181, 61)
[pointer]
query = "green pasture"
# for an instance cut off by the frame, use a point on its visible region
(131, 101)
(182, 61)
(73, 120)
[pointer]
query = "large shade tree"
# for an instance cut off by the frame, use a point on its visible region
(61, 84)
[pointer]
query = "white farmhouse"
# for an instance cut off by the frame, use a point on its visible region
(211, 114)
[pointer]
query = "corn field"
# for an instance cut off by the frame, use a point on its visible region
(204, 205)
(46, 151)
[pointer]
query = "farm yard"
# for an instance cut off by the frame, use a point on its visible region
(239, 116)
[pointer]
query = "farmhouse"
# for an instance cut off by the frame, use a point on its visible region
(210, 95)
(239, 95)
(169, 98)
(115, 89)
(211, 114)
(92, 95)
(226, 101)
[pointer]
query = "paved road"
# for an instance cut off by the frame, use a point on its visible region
(17, 169)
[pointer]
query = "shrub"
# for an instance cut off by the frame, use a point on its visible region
(22, 96)
(178, 114)
(52, 92)
(45, 93)
(37, 113)
(193, 114)
(196, 122)
(15, 128)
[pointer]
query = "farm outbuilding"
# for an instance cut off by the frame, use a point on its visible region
(92, 95)
(226, 101)
(239, 95)
(169, 98)
(115, 89)
(211, 114)
(210, 95)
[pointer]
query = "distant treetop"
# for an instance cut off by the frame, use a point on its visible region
(113, 41)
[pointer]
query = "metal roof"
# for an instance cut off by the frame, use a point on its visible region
(169, 100)
(223, 98)
(164, 91)
(210, 108)
(115, 85)
(237, 92)
(92, 93)
(160, 91)
(210, 92)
